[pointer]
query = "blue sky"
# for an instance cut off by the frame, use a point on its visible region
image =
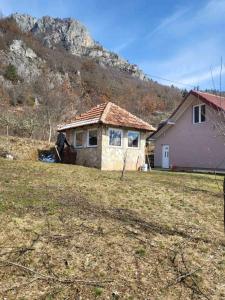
(179, 40)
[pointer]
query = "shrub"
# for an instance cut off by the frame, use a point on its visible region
(141, 252)
(98, 291)
(11, 73)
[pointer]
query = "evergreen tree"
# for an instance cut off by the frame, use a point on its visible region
(11, 73)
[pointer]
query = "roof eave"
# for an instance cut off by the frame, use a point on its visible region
(152, 129)
(77, 124)
(203, 99)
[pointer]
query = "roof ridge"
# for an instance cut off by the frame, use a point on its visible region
(137, 118)
(90, 110)
(111, 104)
(109, 113)
(210, 94)
(105, 111)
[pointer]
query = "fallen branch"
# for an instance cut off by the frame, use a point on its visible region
(20, 251)
(52, 278)
(183, 277)
(16, 287)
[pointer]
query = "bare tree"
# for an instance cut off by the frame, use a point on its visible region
(124, 165)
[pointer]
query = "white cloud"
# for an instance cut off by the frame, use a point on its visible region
(207, 75)
(213, 10)
(191, 65)
(184, 20)
(200, 44)
(168, 21)
(123, 46)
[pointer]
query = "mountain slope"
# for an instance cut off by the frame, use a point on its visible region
(41, 85)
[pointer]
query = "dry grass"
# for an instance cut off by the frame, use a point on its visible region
(153, 235)
(22, 148)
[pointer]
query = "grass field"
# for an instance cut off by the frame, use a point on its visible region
(70, 232)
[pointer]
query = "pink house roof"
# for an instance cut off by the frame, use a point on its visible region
(110, 114)
(215, 101)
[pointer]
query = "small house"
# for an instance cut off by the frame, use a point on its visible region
(193, 137)
(107, 137)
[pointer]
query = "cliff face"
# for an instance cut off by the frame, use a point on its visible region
(75, 38)
(52, 68)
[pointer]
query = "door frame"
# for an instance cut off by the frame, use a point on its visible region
(166, 155)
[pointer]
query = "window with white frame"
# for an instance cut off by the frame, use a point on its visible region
(133, 139)
(199, 113)
(92, 137)
(79, 139)
(115, 137)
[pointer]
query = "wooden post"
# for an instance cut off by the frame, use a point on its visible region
(149, 166)
(50, 131)
(56, 149)
(7, 133)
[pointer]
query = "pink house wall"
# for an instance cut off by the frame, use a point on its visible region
(193, 145)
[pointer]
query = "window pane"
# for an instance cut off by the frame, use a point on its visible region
(196, 114)
(115, 137)
(203, 113)
(133, 138)
(79, 139)
(93, 140)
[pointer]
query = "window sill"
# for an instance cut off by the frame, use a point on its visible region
(112, 146)
(199, 123)
(134, 148)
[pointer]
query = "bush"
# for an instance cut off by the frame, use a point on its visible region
(141, 252)
(98, 291)
(11, 73)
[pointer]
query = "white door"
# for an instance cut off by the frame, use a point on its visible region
(165, 156)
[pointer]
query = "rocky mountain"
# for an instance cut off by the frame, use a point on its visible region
(75, 38)
(51, 69)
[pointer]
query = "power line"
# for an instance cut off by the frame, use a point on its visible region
(172, 81)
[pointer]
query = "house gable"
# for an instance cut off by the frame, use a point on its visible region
(192, 145)
(212, 102)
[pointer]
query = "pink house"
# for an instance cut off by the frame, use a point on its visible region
(194, 135)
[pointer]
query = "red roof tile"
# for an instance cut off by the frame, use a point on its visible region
(94, 112)
(110, 114)
(120, 117)
(214, 100)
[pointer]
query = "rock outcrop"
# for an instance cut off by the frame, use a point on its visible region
(28, 64)
(75, 38)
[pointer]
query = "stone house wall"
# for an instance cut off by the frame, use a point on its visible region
(113, 157)
(86, 156)
(105, 156)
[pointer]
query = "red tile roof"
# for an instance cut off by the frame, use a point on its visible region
(94, 112)
(110, 114)
(214, 100)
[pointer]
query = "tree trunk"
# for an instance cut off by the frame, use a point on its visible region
(7, 133)
(50, 131)
(124, 165)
